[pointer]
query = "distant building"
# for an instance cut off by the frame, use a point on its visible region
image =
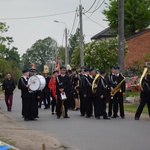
(138, 46)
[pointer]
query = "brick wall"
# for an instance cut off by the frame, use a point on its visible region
(138, 45)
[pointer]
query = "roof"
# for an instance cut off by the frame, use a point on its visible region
(138, 34)
(103, 34)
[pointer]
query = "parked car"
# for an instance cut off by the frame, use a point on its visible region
(133, 83)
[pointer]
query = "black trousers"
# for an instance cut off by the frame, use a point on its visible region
(89, 108)
(101, 107)
(82, 104)
(145, 99)
(53, 104)
(118, 100)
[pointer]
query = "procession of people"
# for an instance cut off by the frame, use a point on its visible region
(95, 93)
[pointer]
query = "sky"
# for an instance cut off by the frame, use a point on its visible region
(26, 32)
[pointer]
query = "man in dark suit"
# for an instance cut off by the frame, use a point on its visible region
(46, 93)
(118, 98)
(145, 96)
(62, 85)
(27, 101)
(91, 99)
(101, 95)
(110, 81)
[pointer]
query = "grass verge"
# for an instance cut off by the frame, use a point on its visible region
(133, 107)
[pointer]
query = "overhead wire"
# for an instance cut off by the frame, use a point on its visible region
(94, 21)
(97, 7)
(91, 6)
(74, 22)
(34, 17)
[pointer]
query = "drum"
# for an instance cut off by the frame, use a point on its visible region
(37, 83)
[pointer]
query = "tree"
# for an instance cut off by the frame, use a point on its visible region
(101, 55)
(75, 58)
(9, 57)
(61, 54)
(137, 15)
(40, 53)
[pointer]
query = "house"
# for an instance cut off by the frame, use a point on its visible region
(106, 34)
(138, 46)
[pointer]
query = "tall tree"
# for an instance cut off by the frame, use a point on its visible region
(74, 42)
(137, 15)
(9, 56)
(40, 53)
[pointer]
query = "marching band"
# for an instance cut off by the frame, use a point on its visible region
(87, 90)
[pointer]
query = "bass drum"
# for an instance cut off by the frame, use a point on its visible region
(37, 83)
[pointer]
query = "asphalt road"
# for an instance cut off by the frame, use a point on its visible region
(81, 133)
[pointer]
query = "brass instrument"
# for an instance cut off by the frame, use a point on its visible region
(94, 84)
(117, 88)
(145, 72)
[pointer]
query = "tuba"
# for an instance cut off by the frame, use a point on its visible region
(94, 84)
(145, 72)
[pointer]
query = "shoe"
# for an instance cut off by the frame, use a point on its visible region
(26, 119)
(52, 113)
(117, 115)
(106, 118)
(87, 116)
(66, 117)
(123, 117)
(98, 118)
(58, 117)
(136, 118)
(33, 119)
(75, 109)
(81, 115)
(37, 117)
(114, 117)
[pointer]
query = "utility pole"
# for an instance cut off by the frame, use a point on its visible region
(66, 48)
(66, 43)
(81, 37)
(121, 35)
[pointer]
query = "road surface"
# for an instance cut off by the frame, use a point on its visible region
(79, 133)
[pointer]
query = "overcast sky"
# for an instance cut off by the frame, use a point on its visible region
(25, 32)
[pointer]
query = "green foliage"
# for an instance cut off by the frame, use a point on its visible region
(133, 107)
(9, 56)
(75, 59)
(61, 54)
(132, 94)
(74, 41)
(137, 15)
(40, 53)
(134, 70)
(101, 54)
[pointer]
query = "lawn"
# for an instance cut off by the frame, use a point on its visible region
(133, 107)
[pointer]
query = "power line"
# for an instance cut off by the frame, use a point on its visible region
(74, 22)
(34, 17)
(94, 21)
(97, 7)
(91, 7)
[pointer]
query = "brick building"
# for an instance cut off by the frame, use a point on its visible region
(138, 47)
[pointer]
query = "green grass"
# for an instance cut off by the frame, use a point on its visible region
(8, 141)
(132, 94)
(133, 107)
(1, 92)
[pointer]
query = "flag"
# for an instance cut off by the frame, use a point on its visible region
(57, 65)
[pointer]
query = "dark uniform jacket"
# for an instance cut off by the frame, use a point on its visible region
(117, 80)
(145, 87)
(62, 82)
(102, 87)
(46, 88)
(9, 86)
(89, 82)
(22, 86)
